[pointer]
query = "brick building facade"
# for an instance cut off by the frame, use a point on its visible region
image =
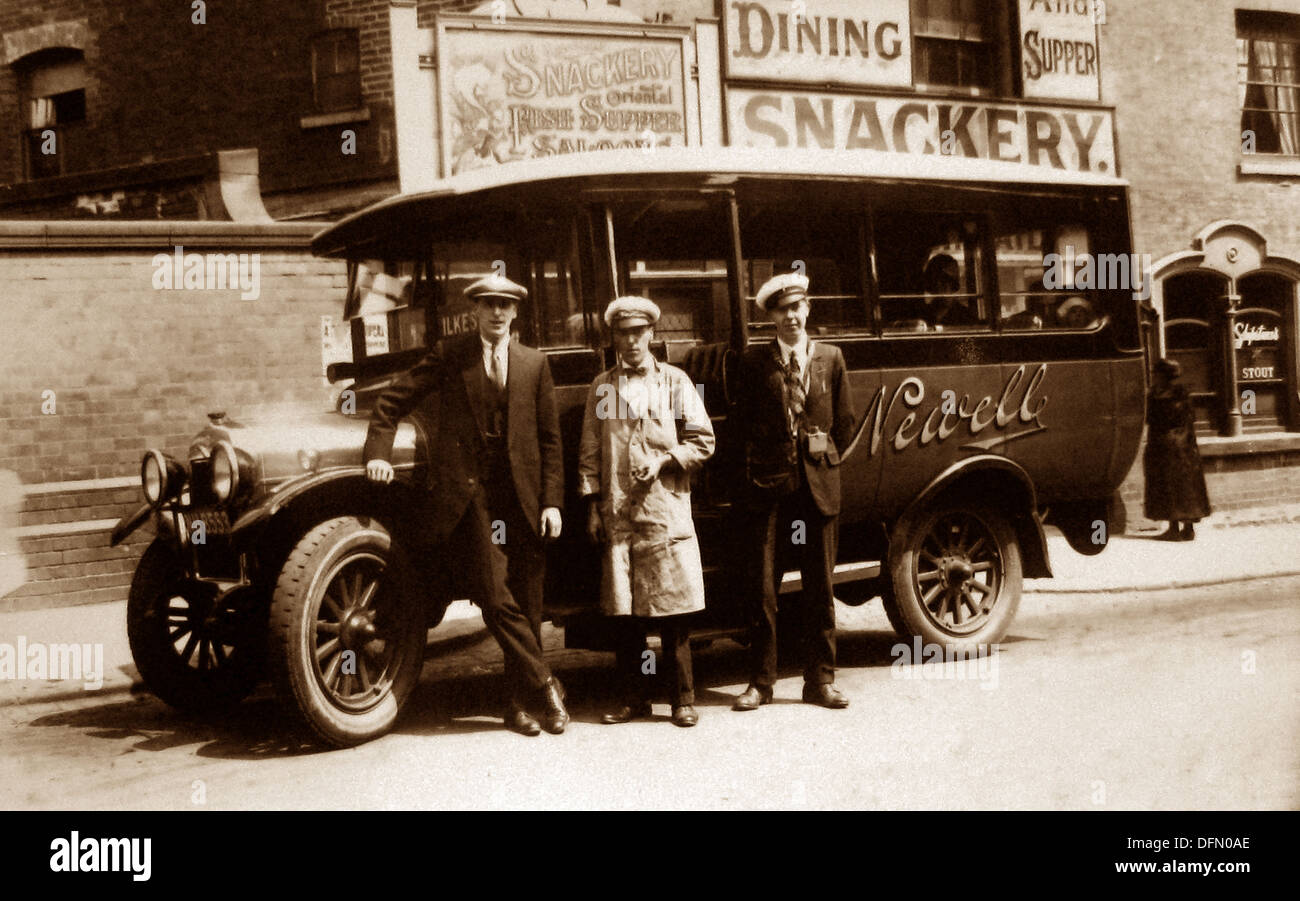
(1216, 204)
(144, 99)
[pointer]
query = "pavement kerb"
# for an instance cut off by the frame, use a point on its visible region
(1172, 586)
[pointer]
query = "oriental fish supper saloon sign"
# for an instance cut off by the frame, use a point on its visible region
(517, 93)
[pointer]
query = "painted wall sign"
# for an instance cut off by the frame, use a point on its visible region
(820, 41)
(507, 95)
(1065, 139)
(1059, 49)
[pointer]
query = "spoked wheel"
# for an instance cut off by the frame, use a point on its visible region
(196, 647)
(349, 637)
(957, 577)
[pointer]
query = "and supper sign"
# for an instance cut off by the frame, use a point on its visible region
(511, 94)
(1059, 52)
(1075, 140)
(819, 41)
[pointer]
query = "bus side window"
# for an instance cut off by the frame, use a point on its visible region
(930, 267)
(818, 238)
(1032, 296)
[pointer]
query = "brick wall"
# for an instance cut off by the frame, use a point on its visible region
(130, 367)
(160, 86)
(1261, 481)
(1170, 68)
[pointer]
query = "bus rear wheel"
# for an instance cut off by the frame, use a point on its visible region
(956, 577)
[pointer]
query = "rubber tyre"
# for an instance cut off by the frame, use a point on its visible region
(341, 572)
(955, 617)
(192, 656)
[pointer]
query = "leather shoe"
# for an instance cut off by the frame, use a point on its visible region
(752, 698)
(1188, 533)
(825, 694)
(626, 713)
(685, 715)
(520, 720)
(555, 717)
(1173, 533)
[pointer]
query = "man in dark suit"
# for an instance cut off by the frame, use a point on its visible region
(795, 413)
(496, 479)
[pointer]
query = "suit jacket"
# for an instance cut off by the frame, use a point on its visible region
(449, 376)
(773, 453)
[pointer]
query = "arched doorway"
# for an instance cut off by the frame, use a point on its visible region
(1229, 316)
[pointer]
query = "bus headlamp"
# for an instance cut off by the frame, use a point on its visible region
(225, 471)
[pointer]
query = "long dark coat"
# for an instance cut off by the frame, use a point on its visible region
(1175, 481)
(450, 377)
(771, 449)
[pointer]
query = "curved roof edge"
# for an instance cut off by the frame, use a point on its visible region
(729, 163)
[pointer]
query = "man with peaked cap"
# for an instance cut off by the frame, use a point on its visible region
(496, 475)
(795, 415)
(644, 432)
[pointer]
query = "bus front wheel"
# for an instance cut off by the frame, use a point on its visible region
(348, 637)
(956, 577)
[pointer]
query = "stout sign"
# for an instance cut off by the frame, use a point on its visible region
(1257, 338)
(1065, 139)
(1058, 49)
(820, 41)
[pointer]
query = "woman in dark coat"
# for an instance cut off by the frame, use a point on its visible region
(1175, 482)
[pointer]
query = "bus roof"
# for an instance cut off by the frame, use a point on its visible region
(713, 167)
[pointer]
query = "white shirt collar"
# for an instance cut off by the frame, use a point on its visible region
(499, 347)
(802, 351)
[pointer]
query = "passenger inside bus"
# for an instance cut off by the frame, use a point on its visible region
(944, 308)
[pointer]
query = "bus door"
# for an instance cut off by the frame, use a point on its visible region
(1061, 338)
(673, 247)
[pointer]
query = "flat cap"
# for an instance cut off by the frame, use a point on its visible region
(1168, 367)
(626, 311)
(496, 286)
(781, 290)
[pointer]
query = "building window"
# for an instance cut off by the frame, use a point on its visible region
(336, 70)
(956, 44)
(53, 88)
(1268, 80)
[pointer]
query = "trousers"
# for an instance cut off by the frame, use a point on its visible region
(630, 658)
(780, 528)
(507, 566)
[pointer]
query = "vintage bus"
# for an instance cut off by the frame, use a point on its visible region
(993, 399)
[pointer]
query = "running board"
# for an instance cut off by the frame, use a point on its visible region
(844, 572)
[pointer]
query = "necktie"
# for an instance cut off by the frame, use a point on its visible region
(497, 373)
(795, 394)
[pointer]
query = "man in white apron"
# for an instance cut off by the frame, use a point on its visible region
(645, 431)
